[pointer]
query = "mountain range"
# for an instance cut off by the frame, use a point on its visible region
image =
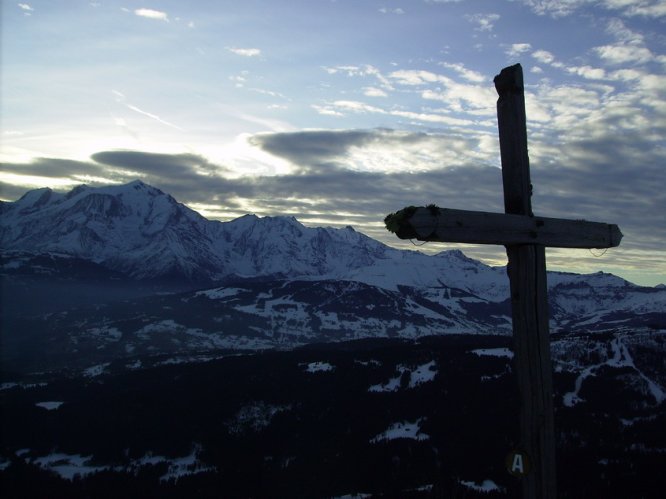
(126, 269)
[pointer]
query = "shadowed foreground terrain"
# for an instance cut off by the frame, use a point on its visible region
(384, 418)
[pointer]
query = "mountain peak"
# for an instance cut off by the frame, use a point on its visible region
(31, 196)
(76, 191)
(140, 186)
(455, 254)
(36, 199)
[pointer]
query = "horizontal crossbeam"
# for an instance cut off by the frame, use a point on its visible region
(477, 227)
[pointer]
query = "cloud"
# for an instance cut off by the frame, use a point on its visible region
(357, 107)
(152, 14)
(517, 49)
(623, 54)
(627, 8)
(245, 52)
(169, 165)
(440, 119)
(629, 48)
(461, 103)
(416, 77)
(588, 72)
(464, 101)
(599, 164)
(362, 71)
(326, 110)
(374, 92)
(543, 56)
(53, 168)
(311, 147)
(330, 177)
(484, 22)
(464, 72)
(26, 7)
(556, 8)
(398, 11)
(618, 29)
(463, 98)
(643, 8)
(380, 150)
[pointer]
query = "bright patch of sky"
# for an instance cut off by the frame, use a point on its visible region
(392, 98)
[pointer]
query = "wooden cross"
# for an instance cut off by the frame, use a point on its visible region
(525, 237)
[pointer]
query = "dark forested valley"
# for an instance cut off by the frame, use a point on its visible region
(368, 418)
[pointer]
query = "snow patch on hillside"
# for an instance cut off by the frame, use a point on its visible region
(219, 293)
(50, 405)
(319, 367)
(485, 486)
(620, 358)
(68, 465)
(96, 370)
(417, 376)
(403, 429)
(493, 352)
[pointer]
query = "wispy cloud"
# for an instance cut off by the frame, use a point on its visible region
(466, 73)
(153, 116)
(397, 11)
(484, 22)
(655, 8)
(120, 98)
(465, 96)
(357, 107)
(364, 71)
(416, 77)
(245, 52)
(152, 14)
(628, 8)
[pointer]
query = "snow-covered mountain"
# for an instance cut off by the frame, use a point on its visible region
(146, 234)
(251, 282)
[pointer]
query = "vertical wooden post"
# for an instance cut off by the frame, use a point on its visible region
(529, 298)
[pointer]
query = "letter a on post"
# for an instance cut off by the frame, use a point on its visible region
(517, 463)
(517, 466)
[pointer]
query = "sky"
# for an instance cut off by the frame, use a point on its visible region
(339, 112)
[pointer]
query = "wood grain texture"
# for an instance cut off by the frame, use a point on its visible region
(477, 227)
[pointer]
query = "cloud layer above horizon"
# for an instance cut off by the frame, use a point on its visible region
(340, 113)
